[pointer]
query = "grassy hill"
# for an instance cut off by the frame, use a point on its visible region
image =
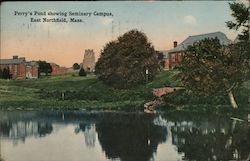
(90, 93)
(79, 93)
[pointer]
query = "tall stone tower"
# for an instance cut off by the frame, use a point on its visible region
(88, 63)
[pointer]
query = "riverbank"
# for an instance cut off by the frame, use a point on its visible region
(74, 93)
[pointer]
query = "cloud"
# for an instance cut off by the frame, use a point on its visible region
(106, 21)
(189, 19)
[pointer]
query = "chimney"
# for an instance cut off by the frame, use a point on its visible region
(175, 43)
(15, 57)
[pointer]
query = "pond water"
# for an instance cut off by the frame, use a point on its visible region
(102, 136)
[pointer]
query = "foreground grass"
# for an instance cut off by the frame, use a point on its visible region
(80, 93)
(90, 93)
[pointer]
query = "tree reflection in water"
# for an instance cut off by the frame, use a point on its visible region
(89, 133)
(130, 137)
(19, 130)
(135, 137)
(206, 137)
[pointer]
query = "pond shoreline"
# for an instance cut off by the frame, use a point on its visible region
(88, 93)
(26, 132)
(161, 110)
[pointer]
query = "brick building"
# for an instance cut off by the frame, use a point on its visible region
(20, 68)
(56, 69)
(165, 59)
(175, 55)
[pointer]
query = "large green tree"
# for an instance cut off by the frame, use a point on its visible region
(241, 22)
(44, 67)
(123, 62)
(240, 13)
(6, 73)
(1, 73)
(213, 69)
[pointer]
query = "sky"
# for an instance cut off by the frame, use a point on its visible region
(64, 43)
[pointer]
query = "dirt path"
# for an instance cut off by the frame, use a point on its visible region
(159, 92)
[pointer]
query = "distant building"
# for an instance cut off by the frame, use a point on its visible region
(175, 55)
(71, 70)
(88, 63)
(56, 69)
(20, 68)
(165, 59)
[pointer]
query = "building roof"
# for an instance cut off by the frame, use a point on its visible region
(32, 63)
(54, 65)
(12, 61)
(192, 39)
(165, 53)
(237, 39)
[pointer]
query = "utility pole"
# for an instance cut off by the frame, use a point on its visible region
(119, 28)
(146, 77)
(112, 30)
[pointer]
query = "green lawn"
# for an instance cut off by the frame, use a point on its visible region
(90, 93)
(80, 93)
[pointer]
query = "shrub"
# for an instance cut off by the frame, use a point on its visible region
(82, 72)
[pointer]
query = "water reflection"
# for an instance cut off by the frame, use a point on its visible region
(122, 136)
(21, 129)
(209, 138)
(89, 131)
(130, 137)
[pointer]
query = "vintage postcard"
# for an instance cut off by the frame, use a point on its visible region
(125, 81)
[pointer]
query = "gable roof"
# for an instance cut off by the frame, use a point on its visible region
(192, 39)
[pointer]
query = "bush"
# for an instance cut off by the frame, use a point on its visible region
(5, 73)
(76, 66)
(1, 73)
(44, 67)
(82, 72)
(190, 98)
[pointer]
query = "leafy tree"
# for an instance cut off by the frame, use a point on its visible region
(160, 55)
(160, 60)
(44, 67)
(6, 73)
(1, 73)
(123, 62)
(162, 64)
(82, 72)
(76, 66)
(240, 13)
(213, 69)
